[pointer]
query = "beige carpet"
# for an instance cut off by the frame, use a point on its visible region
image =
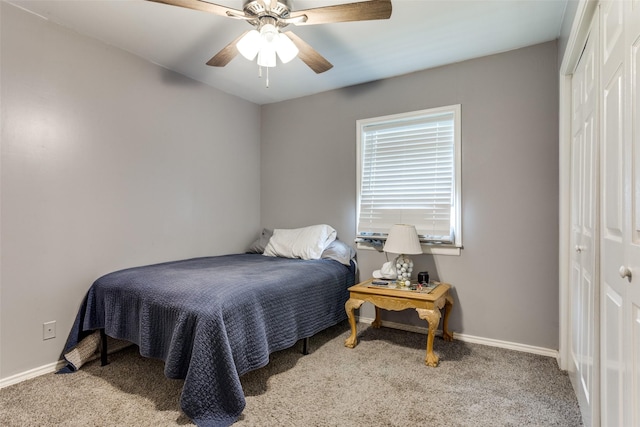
(382, 382)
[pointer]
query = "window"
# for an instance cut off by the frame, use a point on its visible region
(409, 173)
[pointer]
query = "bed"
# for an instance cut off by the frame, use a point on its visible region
(212, 319)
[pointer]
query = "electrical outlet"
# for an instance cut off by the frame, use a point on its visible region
(49, 330)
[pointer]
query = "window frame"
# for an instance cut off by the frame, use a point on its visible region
(427, 247)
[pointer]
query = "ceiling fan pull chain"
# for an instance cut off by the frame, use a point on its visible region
(260, 75)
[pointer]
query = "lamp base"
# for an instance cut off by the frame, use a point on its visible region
(404, 268)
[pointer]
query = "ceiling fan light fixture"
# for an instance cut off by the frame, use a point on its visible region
(269, 33)
(285, 48)
(250, 44)
(265, 44)
(267, 56)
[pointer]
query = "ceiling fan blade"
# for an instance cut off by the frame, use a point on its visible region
(360, 11)
(203, 6)
(308, 55)
(227, 53)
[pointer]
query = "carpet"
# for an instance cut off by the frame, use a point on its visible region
(383, 381)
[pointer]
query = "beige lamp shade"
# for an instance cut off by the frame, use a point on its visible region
(403, 239)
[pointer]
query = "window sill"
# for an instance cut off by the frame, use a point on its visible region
(426, 249)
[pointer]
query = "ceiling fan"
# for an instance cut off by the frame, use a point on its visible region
(269, 17)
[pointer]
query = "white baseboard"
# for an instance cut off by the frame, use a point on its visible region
(32, 373)
(470, 338)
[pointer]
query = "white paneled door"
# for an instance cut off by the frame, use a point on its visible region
(612, 211)
(584, 275)
(631, 262)
(604, 290)
(620, 209)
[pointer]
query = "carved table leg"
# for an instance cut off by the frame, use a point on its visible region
(349, 306)
(377, 321)
(433, 317)
(448, 305)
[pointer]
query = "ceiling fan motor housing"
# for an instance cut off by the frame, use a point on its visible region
(258, 8)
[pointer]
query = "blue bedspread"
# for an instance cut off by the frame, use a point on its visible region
(213, 319)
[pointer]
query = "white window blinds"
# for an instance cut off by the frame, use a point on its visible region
(408, 173)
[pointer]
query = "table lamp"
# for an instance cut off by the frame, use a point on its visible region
(403, 240)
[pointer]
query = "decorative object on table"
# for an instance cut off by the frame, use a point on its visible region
(423, 278)
(387, 271)
(403, 239)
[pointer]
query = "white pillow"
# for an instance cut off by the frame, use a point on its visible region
(339, 251)
(305, 243)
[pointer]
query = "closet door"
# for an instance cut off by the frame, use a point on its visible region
(584, 292)
(619, 224)
(632, 242)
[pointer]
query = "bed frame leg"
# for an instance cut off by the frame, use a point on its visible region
(103, 348)
(305, 346)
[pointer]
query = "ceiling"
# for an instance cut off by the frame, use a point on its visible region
(421, 34)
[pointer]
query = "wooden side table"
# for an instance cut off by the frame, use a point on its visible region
(428, 306)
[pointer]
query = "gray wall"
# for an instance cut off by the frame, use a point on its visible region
(506, 280)
(107, 162)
